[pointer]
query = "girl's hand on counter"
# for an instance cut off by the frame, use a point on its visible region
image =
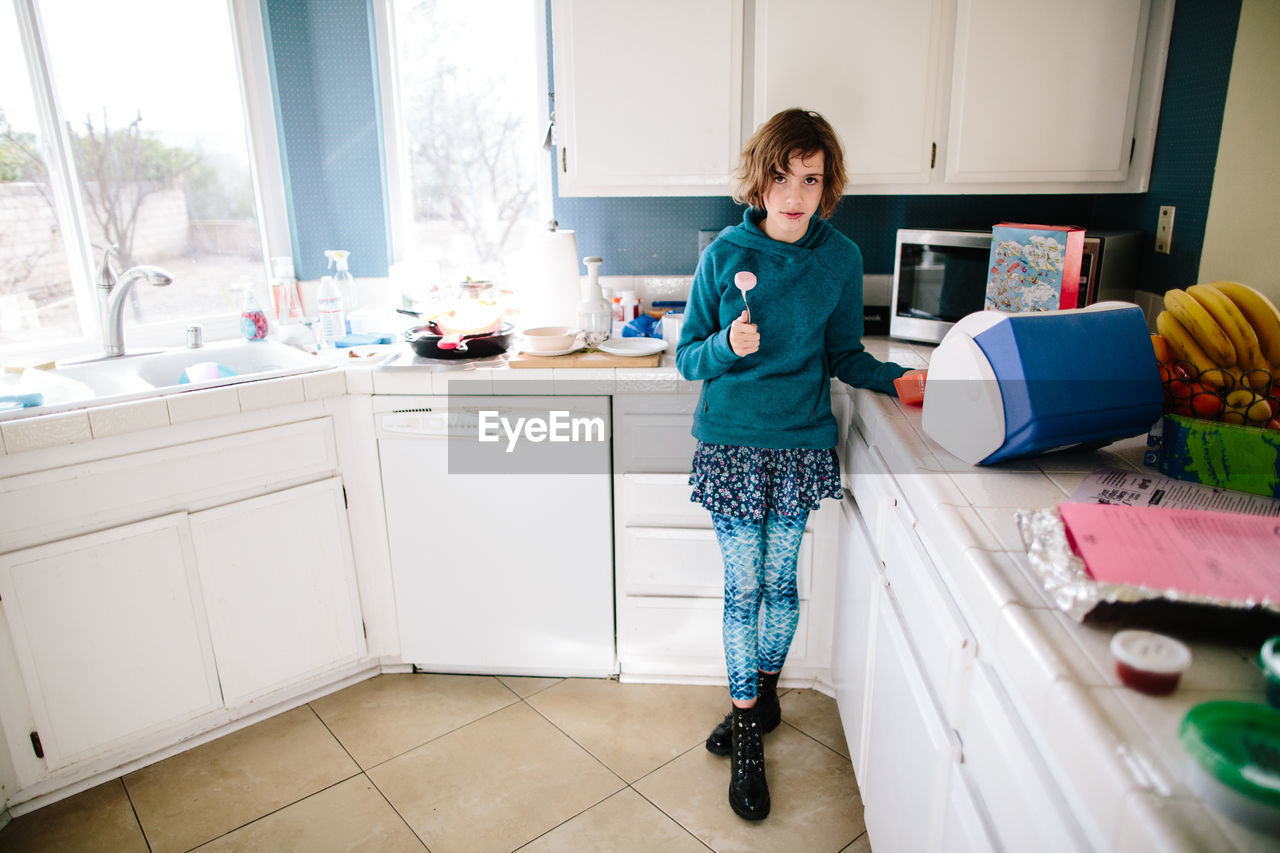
(744, 337)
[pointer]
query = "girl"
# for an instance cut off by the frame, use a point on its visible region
(766, 434)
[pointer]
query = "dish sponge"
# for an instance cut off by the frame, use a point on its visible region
(205, 371)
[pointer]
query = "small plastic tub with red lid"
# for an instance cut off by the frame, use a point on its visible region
(1149, 662)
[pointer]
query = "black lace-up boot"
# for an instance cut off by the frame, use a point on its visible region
(748, 789)
(718, 742)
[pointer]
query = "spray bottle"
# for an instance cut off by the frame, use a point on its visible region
(342, 278)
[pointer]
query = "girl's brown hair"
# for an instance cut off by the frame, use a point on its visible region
(771, 147)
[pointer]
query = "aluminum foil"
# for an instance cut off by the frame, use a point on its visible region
(1063, 575)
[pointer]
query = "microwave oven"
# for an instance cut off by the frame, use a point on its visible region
(940, 275)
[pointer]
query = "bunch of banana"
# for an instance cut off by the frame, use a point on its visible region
(1228, 331)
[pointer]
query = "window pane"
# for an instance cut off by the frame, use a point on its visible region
(150, 95)
(467, 84)
(36, 300)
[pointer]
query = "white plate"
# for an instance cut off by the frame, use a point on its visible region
(549, 353)
(633, 346)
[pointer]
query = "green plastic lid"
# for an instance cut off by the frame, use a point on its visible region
(1238, 743)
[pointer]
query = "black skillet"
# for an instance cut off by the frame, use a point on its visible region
(424, 340)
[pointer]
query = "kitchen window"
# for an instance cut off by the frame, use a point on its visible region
(124, 124)
(465, 112)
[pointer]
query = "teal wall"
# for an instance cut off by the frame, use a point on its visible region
(324, 78)
(324, 75)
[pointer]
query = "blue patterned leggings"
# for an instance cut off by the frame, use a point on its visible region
(759, 574)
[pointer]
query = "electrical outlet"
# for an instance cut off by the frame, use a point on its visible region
(1164, 230)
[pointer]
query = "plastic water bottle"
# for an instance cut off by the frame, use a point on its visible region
(332, 323)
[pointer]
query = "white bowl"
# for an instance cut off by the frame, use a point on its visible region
(550, 338)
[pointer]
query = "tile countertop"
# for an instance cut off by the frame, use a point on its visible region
(1115, 751)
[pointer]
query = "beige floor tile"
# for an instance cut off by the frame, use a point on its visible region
(815, 806)
(525, 686)
(624, 823)
(633, 728)
(385, 716)
(861, 844)
(97, 819)
(200, 794)
(494, 784)
(816, 715)
(350, 816)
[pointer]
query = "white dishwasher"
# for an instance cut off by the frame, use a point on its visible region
(498, 568)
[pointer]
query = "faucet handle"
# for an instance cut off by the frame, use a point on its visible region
(106, 275)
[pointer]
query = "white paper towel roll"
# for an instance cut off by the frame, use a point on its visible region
(544, 280)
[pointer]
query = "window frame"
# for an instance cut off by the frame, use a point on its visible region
(248, 39)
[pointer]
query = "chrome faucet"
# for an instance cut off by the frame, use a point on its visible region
(112, 290)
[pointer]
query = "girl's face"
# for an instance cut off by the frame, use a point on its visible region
(793, 197)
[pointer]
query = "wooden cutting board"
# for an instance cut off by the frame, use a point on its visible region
(583, 359)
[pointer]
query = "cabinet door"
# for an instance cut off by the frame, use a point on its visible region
(1045, 91)
(909, 746)
(857, 576)
(279, 583)
(109, 633)
(870, 67)
(648, 96)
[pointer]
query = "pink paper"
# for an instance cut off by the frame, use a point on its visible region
(1215, 554)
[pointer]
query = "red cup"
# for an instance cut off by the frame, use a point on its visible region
(910, 387)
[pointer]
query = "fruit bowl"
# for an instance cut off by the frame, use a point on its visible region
(1218, 349)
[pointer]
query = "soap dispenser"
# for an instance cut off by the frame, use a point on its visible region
(595, 315)
(253, 320)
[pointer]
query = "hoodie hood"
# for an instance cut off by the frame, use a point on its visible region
(749, 235)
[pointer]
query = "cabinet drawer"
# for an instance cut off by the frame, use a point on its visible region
(939, 633)
(685, 562)
(659, 500)
(1026, 807)
(869, 482)
(48, 505)
(653, 433)
(653, 630)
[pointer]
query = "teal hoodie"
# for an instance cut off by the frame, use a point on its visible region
(807, 303)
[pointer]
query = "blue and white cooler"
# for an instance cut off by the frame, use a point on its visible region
(1005, 386)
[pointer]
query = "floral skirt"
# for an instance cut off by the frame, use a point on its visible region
(748, 482)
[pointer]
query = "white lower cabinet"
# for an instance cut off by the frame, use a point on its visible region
(966, 828)
(279, 587)
(856, 582)
(668, 569)
(910, 748)
(204, 607)
(944, 760)
(110, 639)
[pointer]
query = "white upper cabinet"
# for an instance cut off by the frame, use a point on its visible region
(928, 96)
(870, 68)
(1045, 91)
(648, 96)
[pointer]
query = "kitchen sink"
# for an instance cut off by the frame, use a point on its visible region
(101, 379)
(167, 369)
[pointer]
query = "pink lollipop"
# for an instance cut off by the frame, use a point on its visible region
(744, 281)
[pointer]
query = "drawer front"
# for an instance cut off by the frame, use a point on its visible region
(653, 434)
(939, 633)
(685, 562)
(869, 482)
(662, 500)
(49, 505)
(659, 500)
(688, 629)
